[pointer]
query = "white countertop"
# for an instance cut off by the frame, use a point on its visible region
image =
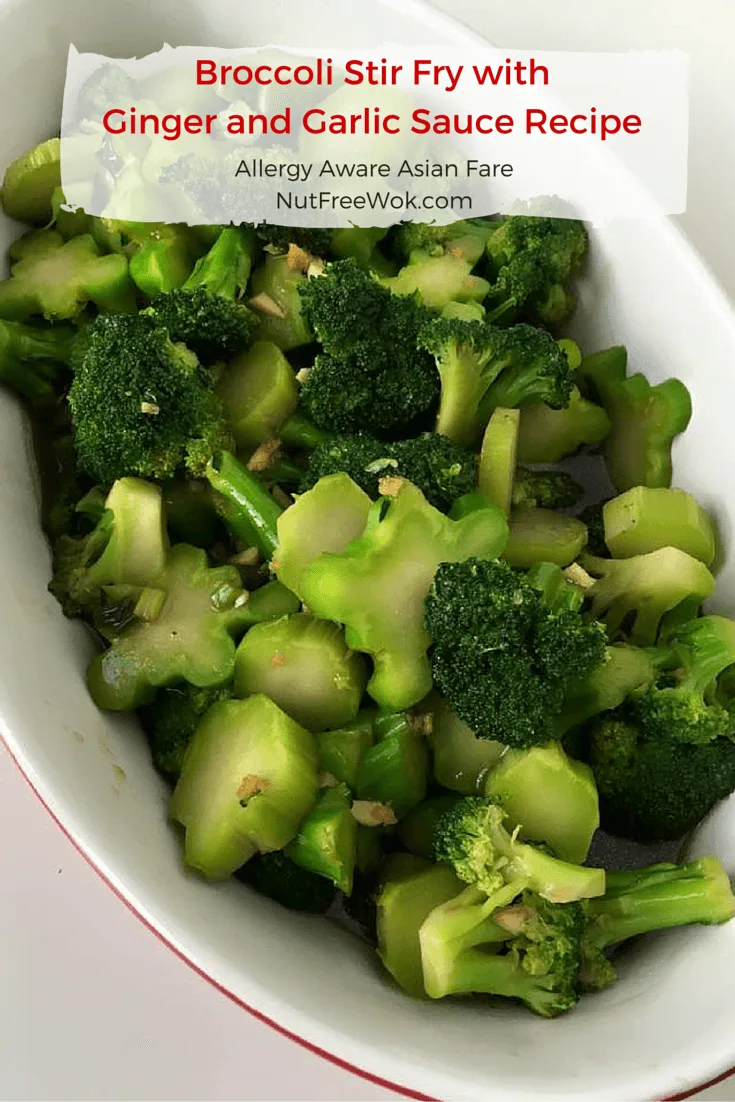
(92, 1006)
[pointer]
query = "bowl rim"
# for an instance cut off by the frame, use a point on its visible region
(425, 13)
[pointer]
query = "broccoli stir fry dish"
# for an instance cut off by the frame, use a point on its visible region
(396, 659)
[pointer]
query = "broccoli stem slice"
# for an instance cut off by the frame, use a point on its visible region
(461, 759)
(298, 432)
(646, 518)
(341, 750)
(541, 535)
(498, 457)
(277, 302)
(660, 897)
(645, 421)
(245, 505)
(225, 269)
(259, 392)
(326, 841)
(416, 831)
(546, 435)
(29, 183)
(270, 602)
(394, 770)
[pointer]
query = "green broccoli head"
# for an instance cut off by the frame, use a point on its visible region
(532, 261)
(205, 312)
(141, 404)
(433, 239)
(544, 489)
(32, 360)
(313, 240)
(504, 651)
(482, 367)
(171, 720)
(443, 471)
(655, 789)
(281, 879)
(370, 374)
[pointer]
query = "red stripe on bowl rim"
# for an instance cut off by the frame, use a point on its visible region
(330, 1057)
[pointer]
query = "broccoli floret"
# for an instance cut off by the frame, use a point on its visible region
(472, 838)
(247, 782)
(171, 720)
(466, 238)
(680, 704)
(443, 471)
(187, 638)
(592, 517)
(624, 670)
(275, 875)
(378, 584)
(205, 312)
(544, 489)
(655, 898)
(645, 587)
(529, 949)
(141, 404)
(504, 650)
(313, 240)
(482, 367)
(532, 261)
(370, 376)
(31, 359)
(59, 279)
(655, 789)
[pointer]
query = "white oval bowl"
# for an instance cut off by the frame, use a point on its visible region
(668, 1025)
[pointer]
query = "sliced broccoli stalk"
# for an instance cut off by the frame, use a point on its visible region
(406, 898)
(190, 640)
(624, 670)
(298, 432)
(361, 242)
(341, 750)
(530, 950)
(171, 720)
(275, 875)
(645, 421)
(325, 843)
(31, 359)
(545, 489)
(600, 370)
(473, 838)
(127, 547)
(270, 602)
(546, 435)
(161, 255)
(498, 457)
(69, 223)
(393, 771)
(205, 312)
(29, 183)
(416, 831)
(59, 280)
(190, 512)
(248, 781)
(325, 519)
(656, 789)
(541, 535)
(305, 666)
(646, 587)
(34, 243)
(549, 797)
(461, 760)
(647, 518)
(464, 311)
(259, 393)
(438, 280)
(244, 503)
(276, 301)
(377, 586)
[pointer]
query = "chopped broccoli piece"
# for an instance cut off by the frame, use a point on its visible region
(530, 950)
(205, 312)
(281, 879)
(313, 239)
(304, 665)
(259, 393)
(189, 640)
(461, 759)
(416, 831)
(655, 789)
(326, 840)
(655, 898)
(171, 720)
(393, 770)
(541, 535)
(646, 518)
(248, 781)
(31, 359)
(546, 435)
(30, 181)
(472, 837)
(141, 404)
(592, 517)
(443, 471)
(624, 670)
(277, 304)
(244, 503)
(161, 256)
(507, 645)
(645, 587)
(370, 375)
(549, 797)
(532, 261)
(645, 421)
(59, 279)
(468, 237)
(545, 489)
(377, 585)
(438, 280)
(190, 513)
(498, 457)
(599, 370)
(482, 367)
(341, 751)
(69, 223)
